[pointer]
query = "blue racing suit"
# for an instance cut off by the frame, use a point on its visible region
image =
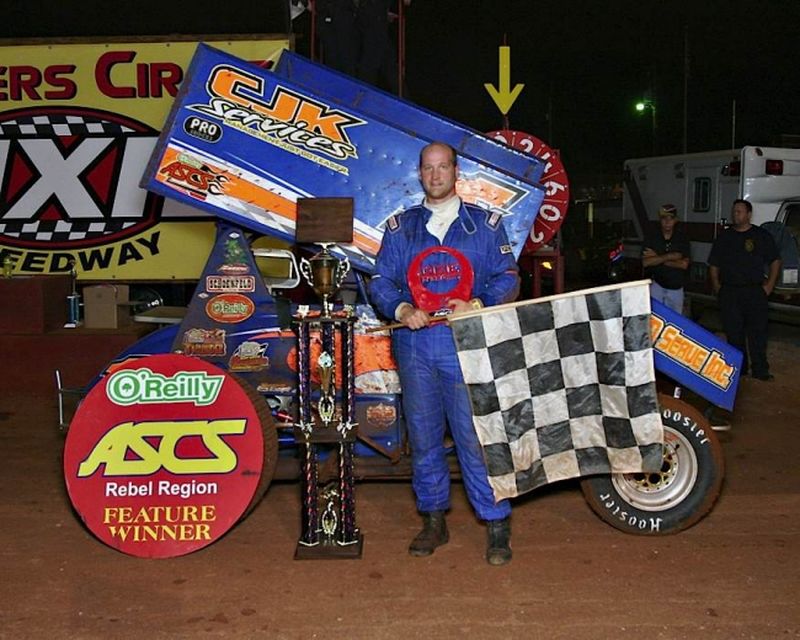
(433, 386)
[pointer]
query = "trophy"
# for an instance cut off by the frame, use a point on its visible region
(325, 221)
(328, 515)
(325, 273)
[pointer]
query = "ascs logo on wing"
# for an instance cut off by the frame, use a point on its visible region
(69, 178)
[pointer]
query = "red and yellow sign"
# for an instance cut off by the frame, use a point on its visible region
(163, 456)
(78, 123)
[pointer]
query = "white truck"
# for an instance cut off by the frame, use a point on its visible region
(703, 187)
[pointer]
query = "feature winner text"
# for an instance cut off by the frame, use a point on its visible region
(158, 523)
(96, 258)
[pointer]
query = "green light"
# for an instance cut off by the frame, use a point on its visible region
(641, 106)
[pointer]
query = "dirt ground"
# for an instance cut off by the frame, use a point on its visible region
(734, 575)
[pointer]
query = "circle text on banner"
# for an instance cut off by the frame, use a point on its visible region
(163, 456)
(554, 180)
(437, 275)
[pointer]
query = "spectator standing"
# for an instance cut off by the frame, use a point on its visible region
(666, 258)
(744, 265)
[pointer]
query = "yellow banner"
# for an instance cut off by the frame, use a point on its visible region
(78, 122)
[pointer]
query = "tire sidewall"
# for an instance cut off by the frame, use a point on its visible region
(615, 509)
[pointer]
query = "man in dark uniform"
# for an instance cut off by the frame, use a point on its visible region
(739, 260)
(665, 258)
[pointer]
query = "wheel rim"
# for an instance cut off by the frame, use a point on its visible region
(669, 486)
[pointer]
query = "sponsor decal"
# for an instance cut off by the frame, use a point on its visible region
(235, 258)
(489, 191)
(202, 129)
(285, 118)
(230, 284)
(710, 364)
(111, 449)
(143, 386)
(194, 178)
(162, 458)
(204, 342)
(438, 274)
(230, 308)
(249, 356)
(381, 415)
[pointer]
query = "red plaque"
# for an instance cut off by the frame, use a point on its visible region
(554, 179)
(163, 456)
(437, 275)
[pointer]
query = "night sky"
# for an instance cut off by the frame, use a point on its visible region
(590, 60)
(593, 60)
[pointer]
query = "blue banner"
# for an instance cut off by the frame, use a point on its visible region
(694, 357)
(244, 144)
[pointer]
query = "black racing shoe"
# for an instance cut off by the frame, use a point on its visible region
(764, 377)
(498, 547)
(434, 534)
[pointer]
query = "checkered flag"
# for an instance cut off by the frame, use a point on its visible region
(562, 386)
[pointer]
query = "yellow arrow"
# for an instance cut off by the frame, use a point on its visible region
(505, 97)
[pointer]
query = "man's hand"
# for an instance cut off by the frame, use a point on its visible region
(413, 318)
(649, 253)
(460, 306)
(772, 279)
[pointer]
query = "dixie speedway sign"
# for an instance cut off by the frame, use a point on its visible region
(78, 122)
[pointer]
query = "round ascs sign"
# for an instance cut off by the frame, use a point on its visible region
(163, 456)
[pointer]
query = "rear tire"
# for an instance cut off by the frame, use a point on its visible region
(678, 496)
(270, 437)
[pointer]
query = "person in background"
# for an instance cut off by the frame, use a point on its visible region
(666, 258)
(355, 39)
(744, 265)
(471, 242)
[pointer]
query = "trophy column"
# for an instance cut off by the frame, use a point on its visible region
(327, 411)
(327, 424)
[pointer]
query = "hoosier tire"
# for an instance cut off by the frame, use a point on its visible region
(678, 496)
(270, 436)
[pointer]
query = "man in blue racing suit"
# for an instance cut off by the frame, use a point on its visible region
(425, 250)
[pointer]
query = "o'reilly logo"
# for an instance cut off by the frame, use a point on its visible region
(143, 386)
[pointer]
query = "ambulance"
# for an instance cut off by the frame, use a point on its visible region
(703, 187)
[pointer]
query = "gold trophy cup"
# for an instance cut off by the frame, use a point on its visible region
(325, 273)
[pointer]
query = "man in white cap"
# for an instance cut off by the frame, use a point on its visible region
(665, 258)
